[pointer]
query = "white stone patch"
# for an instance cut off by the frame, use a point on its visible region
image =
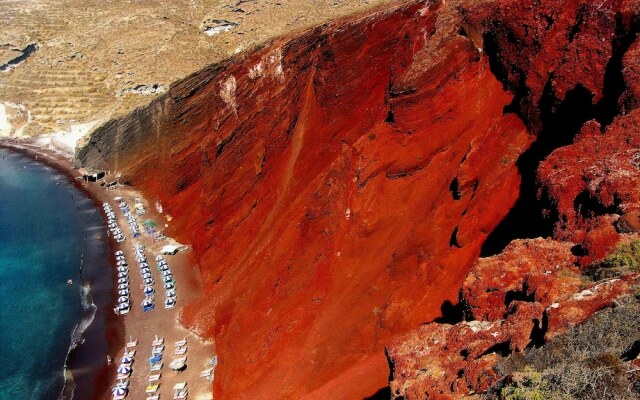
(228, 93)
(275, 63)
(584, 294)
(13, 119)
(215, 26)
(256, 71)
(5, 125)
(477, 326)
(66, 140)
(145, 90)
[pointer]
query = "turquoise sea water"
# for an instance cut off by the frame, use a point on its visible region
(41, 245)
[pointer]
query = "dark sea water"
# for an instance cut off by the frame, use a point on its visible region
(43, 241)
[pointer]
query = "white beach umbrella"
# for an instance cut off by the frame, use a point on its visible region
(123, 299)
(119, 391)
(123, 369)
(126, 360)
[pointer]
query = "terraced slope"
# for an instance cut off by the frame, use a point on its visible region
(99, 59)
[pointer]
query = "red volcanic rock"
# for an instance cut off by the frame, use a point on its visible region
(629, 222)
(566, 314)
(337, 186)
(548, 48)
(529, 293)
(537, 270)
(597, 175)
(334, 200)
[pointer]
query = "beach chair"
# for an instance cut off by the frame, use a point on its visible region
(154, 397)
(132, 342)
(157, 349)
(123, 384)
(154, 378)
(156, 367)
(182, 342)
(155, 359)
(181, 350)
(180, 391)
(158, 341)
(207, 374)
(152, 388)
(129, 353)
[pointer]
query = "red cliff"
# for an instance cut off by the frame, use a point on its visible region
(337, 186)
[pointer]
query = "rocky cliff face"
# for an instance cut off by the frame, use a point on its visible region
(337, 186)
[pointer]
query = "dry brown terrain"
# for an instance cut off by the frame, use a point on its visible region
(99, 59)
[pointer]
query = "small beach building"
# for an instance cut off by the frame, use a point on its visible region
(92, 176)
(170, 250)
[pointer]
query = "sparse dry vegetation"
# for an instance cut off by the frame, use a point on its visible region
(589, 362)
(623, 260)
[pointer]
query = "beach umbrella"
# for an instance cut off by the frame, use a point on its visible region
(122, 280)
(166, 273)
(171, 293)
(178, 364)
(119, 391)
(123, 299)
(148, 281)
(168, 278)
(123, 292)
(169, 285)
(126, 360)
(123, 286)
(123, 369)
(122, 274)
(146, 303)
(148, 290)
(159, 258)
(170, 302)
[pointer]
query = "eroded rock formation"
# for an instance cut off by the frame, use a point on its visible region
(338, 185)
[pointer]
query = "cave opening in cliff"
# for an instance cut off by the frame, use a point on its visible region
(559, 122)
(531, 217)
(613, 100)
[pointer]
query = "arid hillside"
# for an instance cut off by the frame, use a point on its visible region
(67, 66)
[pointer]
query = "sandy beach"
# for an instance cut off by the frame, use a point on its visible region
(139, 325)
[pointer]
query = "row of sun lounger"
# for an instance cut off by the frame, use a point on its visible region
(112, 223)
(133, 224)
(125, 369)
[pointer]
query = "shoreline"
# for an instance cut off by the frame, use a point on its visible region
(94, 380)
(89, 374)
